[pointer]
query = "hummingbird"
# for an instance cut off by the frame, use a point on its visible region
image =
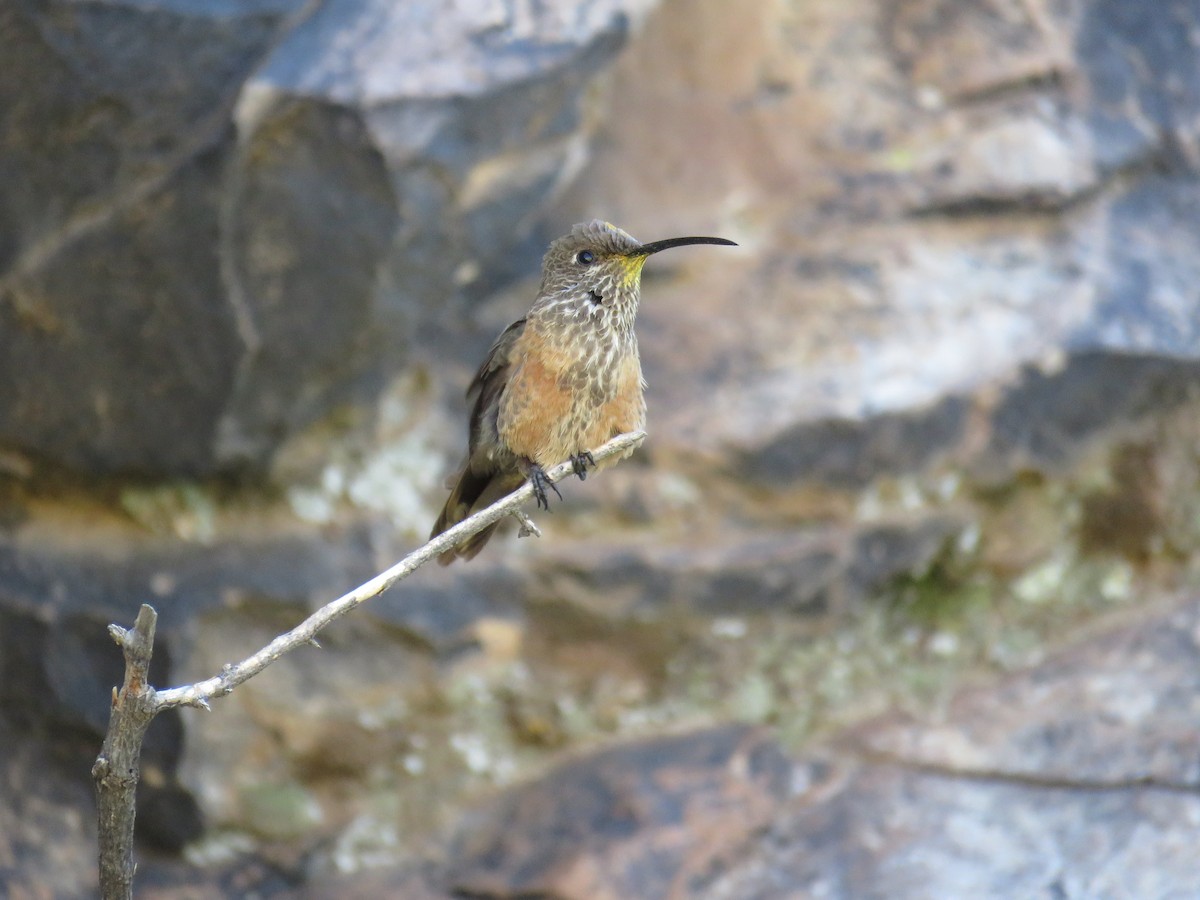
(563, 379)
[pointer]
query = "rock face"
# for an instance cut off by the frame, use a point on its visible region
(986, 207)
(648, 819)
(933, 419)
(1074, 779)
(211, 215)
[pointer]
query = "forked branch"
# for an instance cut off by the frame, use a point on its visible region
(134, 706)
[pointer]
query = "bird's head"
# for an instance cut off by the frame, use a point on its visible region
(596, 269)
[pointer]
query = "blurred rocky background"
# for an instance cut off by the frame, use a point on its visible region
(898, 600)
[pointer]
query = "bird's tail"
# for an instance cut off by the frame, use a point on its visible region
(473, 491)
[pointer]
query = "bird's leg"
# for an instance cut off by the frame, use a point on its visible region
(580, 461)
(537, 477)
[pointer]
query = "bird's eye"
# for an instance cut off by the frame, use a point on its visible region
(585, 257)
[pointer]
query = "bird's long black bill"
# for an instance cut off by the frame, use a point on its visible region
(656, 246)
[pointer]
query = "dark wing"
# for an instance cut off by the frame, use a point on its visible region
(487, 386)
(486, 476)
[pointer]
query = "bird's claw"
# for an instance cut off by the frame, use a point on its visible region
(580, 463)
(537, 477)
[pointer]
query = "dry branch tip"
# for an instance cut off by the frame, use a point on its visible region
(528, 526)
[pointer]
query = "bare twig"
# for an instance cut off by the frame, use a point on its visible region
(136, 704)
(528, 526)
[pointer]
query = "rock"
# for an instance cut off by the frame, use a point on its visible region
(442, 614)
(1112, 711)
(103, 105)
(241, 223)
(975, 48)
(814, 573)
(116, 345)
(647, 819)
(1145, 307)
(410, 885)
(47, 819)
(57, 676)
(119, 358)
(1076, 778)
(898, 833)
(312, 216)
(58, 666)
(974, 219)
(851, 454)
(1049, 420)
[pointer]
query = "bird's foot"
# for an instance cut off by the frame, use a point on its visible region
(537, 477)
(580, 463)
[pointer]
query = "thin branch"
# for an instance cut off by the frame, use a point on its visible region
(234, 674)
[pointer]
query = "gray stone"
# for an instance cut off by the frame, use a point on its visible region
(439, 614)
(103, 102)
(117, 352)
(845, 453)
(1016, 197)
(815, 572)
(1146, 304)
(646, 819)
(58, 666)
(1076, 778)
(248, 209)
(47, 820)
(310, 220)
(1115, 713)
(1048, 420)
(894, 833)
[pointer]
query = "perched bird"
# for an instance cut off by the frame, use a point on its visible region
(564, 379)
